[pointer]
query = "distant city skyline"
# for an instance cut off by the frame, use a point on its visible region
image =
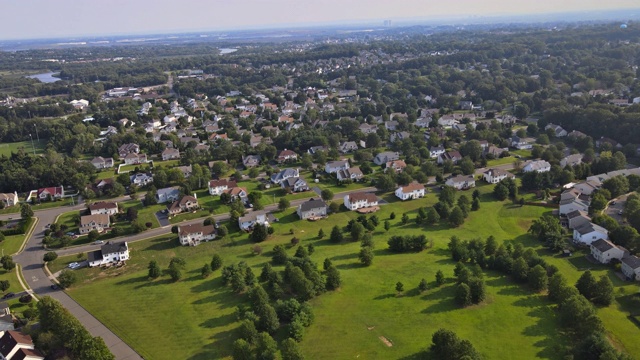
(30, 19)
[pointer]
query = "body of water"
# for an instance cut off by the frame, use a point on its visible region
(45, 77)
(227, 51)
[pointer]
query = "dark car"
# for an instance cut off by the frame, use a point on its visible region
(55, 287)
(9, 295)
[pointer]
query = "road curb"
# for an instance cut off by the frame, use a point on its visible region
(23, 281)
(27, 236)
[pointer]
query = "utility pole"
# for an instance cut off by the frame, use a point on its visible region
(34, 125)
(33, 146)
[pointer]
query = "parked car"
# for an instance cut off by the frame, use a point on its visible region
(613, 203)
(55, 287)
(620, 212)
(73, 265)
(9, 295)
(98, 242)
(70, 233)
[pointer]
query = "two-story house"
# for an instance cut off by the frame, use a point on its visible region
(50, 193)
(98, 222)
(294, 184)
(360, 200)
(494, 176)
(537, 165)
(453, 156)
(351, 174)
(193, 235)
(396, 165)
(170, 154)
(109, 253)
(461, 182)
(385, 157)
(250, 220)
(185, 203)
(217, 187)
(312, 208)
(411, 191)
(630, 266)
(279, 177)
(168, 194)
(9, 199)
(126, 149)
(334, 166)
(436, 151)
(102, 163)
(604, 251)
(588, 233)
(133, 159)
(103, 207)
(286, 156)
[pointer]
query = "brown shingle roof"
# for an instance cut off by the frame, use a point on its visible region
(363, 196)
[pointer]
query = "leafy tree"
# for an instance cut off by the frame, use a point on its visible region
(447, 195)
(456, 218)
(283, 204)
(538, 278)
(25, 211)
(50, 256)
(387, 225)
(248, 331)
(93, 235)
(326, 195)
(447, 346)
(604, 291)
(154, 269)
(367, 241)
(206, 271)
(366, 256)
(440, 278)
(333, 281)
(279, 255)
(259, 233)
(357, 231)
(577, 313)
(336, 235)
(242, 350)
(175, 272)
(67, 278)
(385, 183)
(478, 290)
(423, 286)
(399, 287)
(320, 234)
(500, 191)
(7, 263)
(520, 269)
(587, 285)
(4, 285)
(216, 262)
(463, 295)
(290, 350)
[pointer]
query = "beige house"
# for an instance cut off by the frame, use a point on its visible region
(604, 251)
(193, 235)
(9, 199)
(186, 203)
(98, 222)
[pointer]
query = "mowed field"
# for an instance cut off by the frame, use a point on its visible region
(8, 148)
(195, 318)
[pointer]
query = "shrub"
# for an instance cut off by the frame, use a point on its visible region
(50, 256)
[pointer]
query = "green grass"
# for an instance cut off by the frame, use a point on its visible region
(26, 146)
(132, 167)
(41, 206)
(198, 314)
(501, 161)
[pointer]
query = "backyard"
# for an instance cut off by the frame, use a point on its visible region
(350, 322)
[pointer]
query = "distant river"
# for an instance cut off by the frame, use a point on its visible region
(227, 51)
(45, 77)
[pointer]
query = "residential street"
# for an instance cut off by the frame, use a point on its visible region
(30, 259)
(614, 210)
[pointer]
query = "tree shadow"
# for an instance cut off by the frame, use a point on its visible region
(133, 280)
(222, 320)
(154, 283)
(345, 257)
(384, 296)
(355, 265)
(208, 285)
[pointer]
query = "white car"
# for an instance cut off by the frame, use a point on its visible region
(73, 265)
(98, 242)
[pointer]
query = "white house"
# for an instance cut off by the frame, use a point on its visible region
(587, 187)
(462, 182)
(9, 199)
(312, 208)
(521, 143)
(588, 233)
(141, 179)
(279, 177)
(494, 176)
(194, 234)
(217, 187)
(109, 253)
(98, 222)
(385, 157)
(102, 163)
(360, 200)
(335, 166)
(631, 267)
(453, 156)
(436, 151)
(248, 221)
(17, 345)
(168, 194)
(537, 165)
(294, 184)
(170, 154)
(133, 158)
(558, 131)
(604, 251)
(411, 191)
(353, 174)
(571, 160)
(103, 207)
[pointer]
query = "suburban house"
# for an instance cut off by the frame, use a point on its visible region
(102, 163)
(250, 161)
(294, 184)
(436, 151)
(454, 156)
(286, 156)
(353, 174)
(360, 200)
(462, 182)
(411, 191)
(186, 170)
(125, 149)
(312, 208)
(395, 165)
(494, 151)
(604, 251)
(587, 187)
(237, 193)
(631, 267)
(19, 346)
(368, 129)
(577, 218)
(186, 203)
(588, 233)
(248, 221)
(109, 253)
(133, 158)
(348, 146)
(574, 204)
(217, 187)
(103, 207)
(571, 160)
(9, 199)
(193, 235)
(51, 193)
(385, 157)
(537, 165)
(315, 149)
(521, 143)
(98, 222)
(279, 177)
(557, 130)
(141, 179)
(168, 194)
(494, 176)
(335, 166)
(170, 154)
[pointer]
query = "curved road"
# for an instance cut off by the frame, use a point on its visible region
(31, 262)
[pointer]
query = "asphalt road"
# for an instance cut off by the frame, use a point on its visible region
(30, 259)
(613, 210)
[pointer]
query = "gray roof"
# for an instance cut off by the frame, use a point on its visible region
(312, 204)
(576, 213)
(590, 227)
(112, 248)
(602, 245)
(169, 191)
(632, 261)
(94, 256)
(283, 174)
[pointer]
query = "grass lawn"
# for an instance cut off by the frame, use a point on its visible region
(501, 161)
(8, 148)
(106, 174)
(526, 154)
(41, 206)
(199, 314)
(132, 167)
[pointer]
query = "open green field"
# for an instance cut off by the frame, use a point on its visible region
(8, 148)
(41, 206)
(10, 246)
(198, 314)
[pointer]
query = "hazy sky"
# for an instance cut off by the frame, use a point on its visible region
(53, 18)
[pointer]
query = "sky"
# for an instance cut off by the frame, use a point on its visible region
(27, 19)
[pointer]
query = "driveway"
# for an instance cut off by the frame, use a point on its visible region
(163, 218)
(613, 210)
